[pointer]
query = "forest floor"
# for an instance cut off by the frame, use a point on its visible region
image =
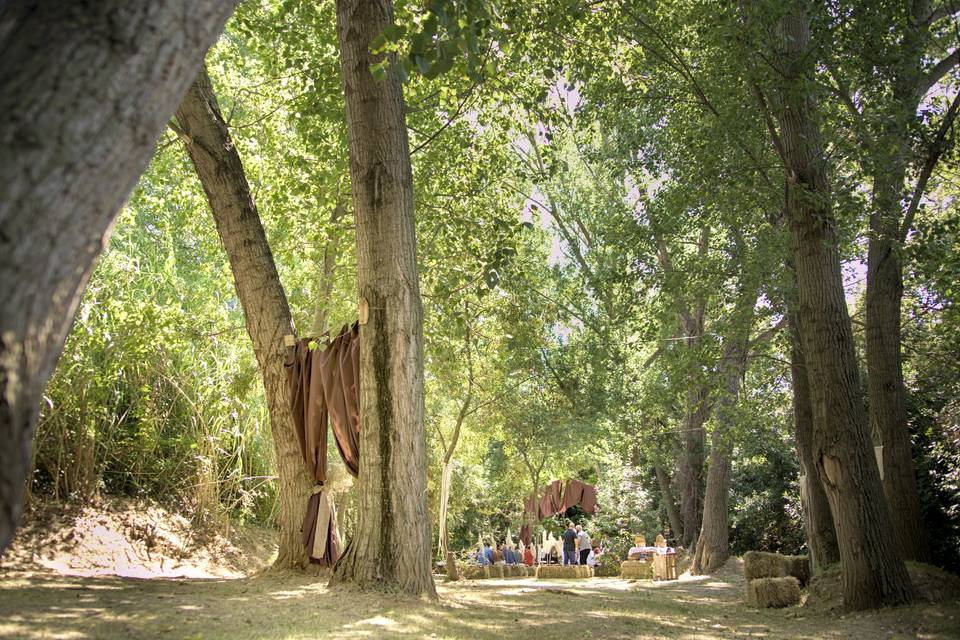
(38, 602)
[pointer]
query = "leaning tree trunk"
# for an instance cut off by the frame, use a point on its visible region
(265, 308)
(85, 91)
(391, 548)
(873, 572)
(818, 523)
(445, 479)
(663, 478)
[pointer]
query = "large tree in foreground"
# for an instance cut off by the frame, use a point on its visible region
(873, 572)
(391, 547)
(265, 309)
(85, 91)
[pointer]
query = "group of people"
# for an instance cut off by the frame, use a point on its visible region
(502, 555)
(577, 546)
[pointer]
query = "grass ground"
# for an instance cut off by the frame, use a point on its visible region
(276, 606)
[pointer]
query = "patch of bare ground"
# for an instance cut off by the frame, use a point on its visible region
(133, 538)
(287, 606)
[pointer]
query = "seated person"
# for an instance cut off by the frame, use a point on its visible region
(593, 557)
(528, 557)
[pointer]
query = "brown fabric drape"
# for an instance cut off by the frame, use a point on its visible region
(323, 383)
(575, 492)
(588, 502)
(581, 493)
(551, 502)
(339, 366)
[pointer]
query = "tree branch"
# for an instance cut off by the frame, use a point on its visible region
(937, 149)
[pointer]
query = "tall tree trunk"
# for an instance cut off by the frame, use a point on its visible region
(890, 155)
(873, 572)
(713, 545)
(85, 91)
(690, 472)
(818, 523)
(261, 294)
(391, 548)
(663, 478)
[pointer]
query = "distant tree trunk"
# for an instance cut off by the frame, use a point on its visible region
(873, 572)
(690, 473)
(331, 250)
(391, 547)
(85, 91)
(663, 478)
(818, 523)
(265, 308)
(450, 449)
(445, 478)
(713, 545)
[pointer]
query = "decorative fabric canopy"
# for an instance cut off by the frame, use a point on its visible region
(323, 382)
(556, 499)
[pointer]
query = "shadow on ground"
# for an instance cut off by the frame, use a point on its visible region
(273, 606)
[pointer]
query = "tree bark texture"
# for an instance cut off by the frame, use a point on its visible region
(85, 91)
(673, 515)
(890, 155)
(873, 572)
(391, 547)
(818, 523)
(690, 472)
(261, 294)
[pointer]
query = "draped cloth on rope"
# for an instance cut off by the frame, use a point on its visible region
(323, 383)
(557, 498)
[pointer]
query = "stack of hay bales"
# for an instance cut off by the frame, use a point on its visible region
(637, 569)
(774, 580)
(553, 571)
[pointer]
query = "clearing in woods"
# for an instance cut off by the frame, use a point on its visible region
(283, 606)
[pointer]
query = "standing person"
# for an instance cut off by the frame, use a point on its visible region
(570, 545)
(584, 539)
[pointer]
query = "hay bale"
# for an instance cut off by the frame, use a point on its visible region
(496, 570)
(637, 569)
(559, 571)
(773, 593)
(473, 572)
(760, 564)
(607, 570)
(798, 567)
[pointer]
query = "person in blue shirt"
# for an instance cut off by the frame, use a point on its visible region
(487, 553)
(570, 545)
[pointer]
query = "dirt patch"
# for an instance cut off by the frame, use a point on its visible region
(825, 591)
(133, 538)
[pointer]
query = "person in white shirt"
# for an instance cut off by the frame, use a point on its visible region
(584, 543)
